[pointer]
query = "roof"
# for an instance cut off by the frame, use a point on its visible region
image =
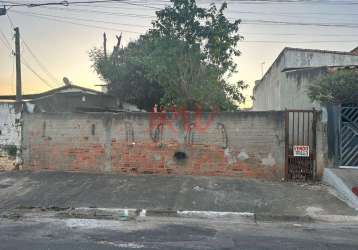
(355, 51)
(333, 67)
(53, 91)
(321, 51)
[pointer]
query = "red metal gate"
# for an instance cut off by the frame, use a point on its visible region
(300, 146)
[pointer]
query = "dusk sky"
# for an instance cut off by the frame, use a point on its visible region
(61, 37)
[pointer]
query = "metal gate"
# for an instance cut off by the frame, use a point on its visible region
(349, 135)
(300, 146)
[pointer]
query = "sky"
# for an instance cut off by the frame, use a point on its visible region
(56, 39)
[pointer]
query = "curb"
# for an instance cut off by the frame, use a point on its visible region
(132, 213)
(284, 218)
(336, 218)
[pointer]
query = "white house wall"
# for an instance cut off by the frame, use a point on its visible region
(279, 90)
(10, 132)
(10, 136)
(300, 58)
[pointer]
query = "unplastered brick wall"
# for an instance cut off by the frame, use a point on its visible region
(183, 143)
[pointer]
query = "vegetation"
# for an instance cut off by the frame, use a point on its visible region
(11, 150)
(340, 87)
(185, 59)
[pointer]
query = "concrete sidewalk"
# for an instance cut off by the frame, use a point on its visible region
(344, 181)
(60, 189)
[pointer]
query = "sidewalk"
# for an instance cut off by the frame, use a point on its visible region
(59, 189)
(344, 181)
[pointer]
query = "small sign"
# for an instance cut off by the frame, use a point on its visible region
(301, 151)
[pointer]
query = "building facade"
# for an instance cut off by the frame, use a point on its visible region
(284, 86)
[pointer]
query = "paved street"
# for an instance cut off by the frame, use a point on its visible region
(45, 231)
(48, 226)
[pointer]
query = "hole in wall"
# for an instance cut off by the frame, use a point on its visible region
(44, 129)
(180, 156)
(93, 129)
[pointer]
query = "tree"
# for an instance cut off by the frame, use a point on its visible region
(337, 88)
(209, 28)
(185, 59)
(179, 70)
(126, 77)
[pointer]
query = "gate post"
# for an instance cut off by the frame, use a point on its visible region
(314, 143)
(287, 124)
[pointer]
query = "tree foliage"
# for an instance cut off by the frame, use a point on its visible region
(209, 28)
(184, 59)
(127, 77)
(340, 87)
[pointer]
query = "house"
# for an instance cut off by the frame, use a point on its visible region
(284, 86)
(71, 98)
(66, 99)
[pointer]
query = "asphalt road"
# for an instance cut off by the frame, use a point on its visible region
(45, 232)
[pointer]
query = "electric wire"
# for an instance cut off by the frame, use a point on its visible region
(76, 23)
(40, 64)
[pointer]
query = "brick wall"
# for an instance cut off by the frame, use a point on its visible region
(227, 144)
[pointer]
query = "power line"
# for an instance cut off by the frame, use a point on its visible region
(10, 21)
(5, 40)
(244, 21)
(4, 43)
(297, 34)
(248, 21)
(43, 67)
(84, 19)
(100, 12)
(63, 3)
(289, 14)
(57, 18)
(276, 41)
(123, 6)
(26, 64)
(75, 23)
(292, 13)
(141, 5)
(47, 72)
(142, 26)
(68, 3)
(272, 22)
(293, 2)
(228, 10)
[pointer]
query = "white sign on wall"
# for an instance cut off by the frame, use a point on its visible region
(301, 150)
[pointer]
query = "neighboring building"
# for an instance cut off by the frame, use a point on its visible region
(355, 51)
(67, 99)
(285, 83)
(72, 98)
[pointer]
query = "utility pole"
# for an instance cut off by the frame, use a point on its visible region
(18, 65)
(105, 45)
(2, 11)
